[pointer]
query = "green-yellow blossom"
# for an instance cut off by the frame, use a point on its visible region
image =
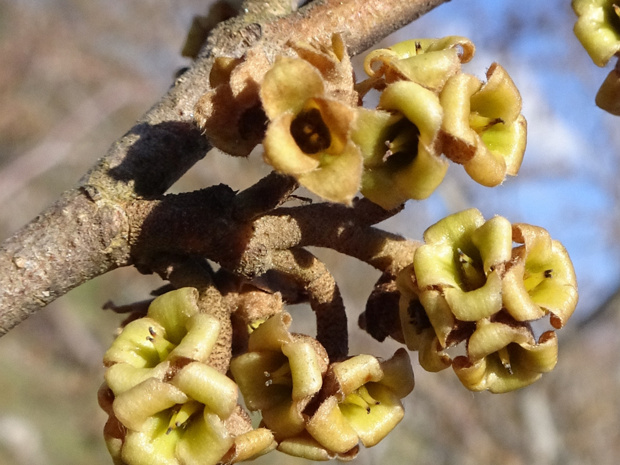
(361, 402)
(470, 282)
(308, 136)
(166, 404)
(503, 356)
(483, 128)
(399, 145)
(428, 62)
(279, 374)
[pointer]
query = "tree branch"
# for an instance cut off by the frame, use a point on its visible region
(87, 232)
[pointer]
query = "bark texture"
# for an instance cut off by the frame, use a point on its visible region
(112, 218)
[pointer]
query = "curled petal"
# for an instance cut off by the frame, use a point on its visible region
(202, 333)
(209, 387)
(598, 28)
(306, 373)
(288, 85)
(428, 62)
(307, 447)
(494, 241)
(337, 179)
(490, 337)
(355, 372)
(500, 154)
(372, 426)
(135, 347)
(398, 374)
(455, 228)
(523, 364)
(285, 419)
(134, 406)
(483, 128)
(498, 97)
(250, 445)
(439, 314)
(431, 353)
(479, 303)
(272, 334)
(412, 47)
(121, 377)
(330, 427)
(548, 275)
(205, 441)
(173, 310)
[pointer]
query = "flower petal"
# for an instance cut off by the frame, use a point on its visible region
(372, 426)
(287, 86)
(134, 406)
(330, 427)
(337, 178)
(173, 309)
(209, 387)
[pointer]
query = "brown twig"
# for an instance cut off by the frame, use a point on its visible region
(87, 232)
(317, 283)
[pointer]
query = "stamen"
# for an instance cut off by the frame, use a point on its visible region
(470, 275)
(310, 132)
(504, 356)
(182, 415)
(362, 398)
(281, 376)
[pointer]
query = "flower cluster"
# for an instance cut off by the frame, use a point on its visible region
(315, 409)
(318, 132)
(428, 107)
(598, 30)
(166, 405)
(474, 286)
(468, 283)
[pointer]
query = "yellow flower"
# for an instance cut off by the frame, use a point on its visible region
(503, 356)
(309, 132)
(361, 402)
(428, 62)
(598, 28)
(483, 128)
(541, 278)
(280, 374)
(468, 282)
(166, 404)
(399, 145)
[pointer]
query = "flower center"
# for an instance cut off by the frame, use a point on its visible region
(160, 343)
(181, 414)
(310, 131)
(471, 277)
(481, 123)
(402, 145)
(282, 376)
(504, 357)
(362, 398)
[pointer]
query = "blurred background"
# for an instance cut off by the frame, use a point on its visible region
(76, 74)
